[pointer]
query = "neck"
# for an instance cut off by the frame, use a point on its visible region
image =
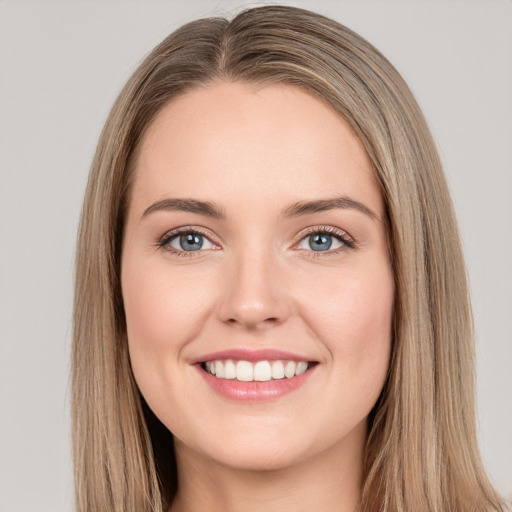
(330, 481)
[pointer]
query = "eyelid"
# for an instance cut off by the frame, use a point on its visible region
(343, 236)
(163, 241)
(340, 234)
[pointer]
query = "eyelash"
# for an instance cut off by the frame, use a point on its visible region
(346, 240)
(342, 236)
(163, 243)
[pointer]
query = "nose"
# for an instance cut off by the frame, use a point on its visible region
(254, 294)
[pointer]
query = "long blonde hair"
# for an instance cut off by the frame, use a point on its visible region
(421, 452)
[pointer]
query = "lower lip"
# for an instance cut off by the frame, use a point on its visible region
(255, 391)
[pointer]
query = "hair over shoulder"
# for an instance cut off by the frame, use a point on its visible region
(421, 453)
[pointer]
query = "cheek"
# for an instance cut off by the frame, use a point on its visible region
(164, 312)
(162, 308)
(352, 315)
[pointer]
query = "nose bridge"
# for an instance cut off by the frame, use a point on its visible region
(255, 294)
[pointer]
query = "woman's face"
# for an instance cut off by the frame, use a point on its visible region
(255, 248)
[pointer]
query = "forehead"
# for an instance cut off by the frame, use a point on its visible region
(240, 140)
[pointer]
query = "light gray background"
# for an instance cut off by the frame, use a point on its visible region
(61, 66)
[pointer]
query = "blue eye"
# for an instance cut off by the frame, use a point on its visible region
(190, 241)
(323, 241)
(320, 242)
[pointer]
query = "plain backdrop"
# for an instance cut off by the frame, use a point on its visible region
(61, 66)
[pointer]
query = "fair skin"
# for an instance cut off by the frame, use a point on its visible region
(251, 273)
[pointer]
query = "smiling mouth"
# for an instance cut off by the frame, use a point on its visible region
(258, 371)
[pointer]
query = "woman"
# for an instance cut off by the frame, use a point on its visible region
(271, 307)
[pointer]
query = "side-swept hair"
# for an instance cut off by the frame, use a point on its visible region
(421, 453)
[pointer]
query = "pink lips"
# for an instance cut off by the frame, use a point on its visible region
(250, 355)
(253, 391)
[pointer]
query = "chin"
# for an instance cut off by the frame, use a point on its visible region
(269, 445)
(260, 458)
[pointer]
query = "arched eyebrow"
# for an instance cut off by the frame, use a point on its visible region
(187, 205)
(297, 209)
(320, 205)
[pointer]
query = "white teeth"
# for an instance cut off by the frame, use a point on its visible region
(302, 366)
(244, 371)
(277, 370)
(260, 371)
(219, 370)
(229, 370)
(289, 369)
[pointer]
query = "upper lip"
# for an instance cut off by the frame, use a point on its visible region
(243, 354)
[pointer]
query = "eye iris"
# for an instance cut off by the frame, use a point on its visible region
(191, 242)
(320, 242)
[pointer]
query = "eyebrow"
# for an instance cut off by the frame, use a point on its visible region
(187, 205)
(308, 207)
(298, 209)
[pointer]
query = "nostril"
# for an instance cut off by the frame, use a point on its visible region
(254, 323)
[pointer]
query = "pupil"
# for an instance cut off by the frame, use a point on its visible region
(320, 242)
(191, 242)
